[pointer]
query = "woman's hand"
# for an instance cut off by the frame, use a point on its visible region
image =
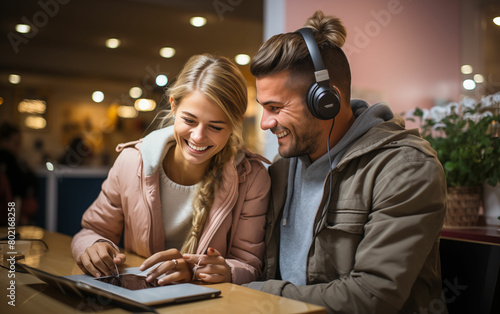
(100, 259)
(174, 266)
(211, 268)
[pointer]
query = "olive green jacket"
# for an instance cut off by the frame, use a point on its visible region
(376, 247)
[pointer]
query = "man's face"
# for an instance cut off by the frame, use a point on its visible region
(287, 116)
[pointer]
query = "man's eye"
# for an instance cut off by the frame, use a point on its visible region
(273, 108)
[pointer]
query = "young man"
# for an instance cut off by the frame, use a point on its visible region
(357, 201)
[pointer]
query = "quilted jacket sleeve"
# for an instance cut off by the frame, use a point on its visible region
(104, 219)
(247, 249)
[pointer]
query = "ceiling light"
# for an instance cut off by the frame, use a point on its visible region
(478, 78)
(242, 59)
(97, 96)
(469, 84)
(161, 80)
(14, 78)
(23, 28)
(35, 122)
(135, 92)
(496, 20)
(167, 52)
(198, 21)
(33, 106)
(144, 104)
(113, 43)
(466, 69)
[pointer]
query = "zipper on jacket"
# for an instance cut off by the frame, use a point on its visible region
(318, 221)
(141, 184)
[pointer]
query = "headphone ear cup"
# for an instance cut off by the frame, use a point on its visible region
(323, 101)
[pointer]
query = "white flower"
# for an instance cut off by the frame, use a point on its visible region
(438, 113)
(454, 107)
(473, 117)
(425, 114)
(491, 100)
(438, 125)
(411, 114)
(496, 97)
(469, 103)
(486, 114)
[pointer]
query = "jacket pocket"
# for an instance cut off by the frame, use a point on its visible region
(350, 221)
(333, 253)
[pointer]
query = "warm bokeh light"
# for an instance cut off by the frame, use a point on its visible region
(466, 69)
(161, 80)
(14, 78)
(33, 106)
(35, 122)
(127, 112)
(135, 92)
(496, 20)
(167, 52)
(113, 43)
(23, 28)
(469, 84)
(198, 21)
(144, 104)
(242, 59)
(97, 96)
(1, 100)
(478, 78)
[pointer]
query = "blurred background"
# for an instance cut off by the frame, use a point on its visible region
(79, 77)
(97, 70)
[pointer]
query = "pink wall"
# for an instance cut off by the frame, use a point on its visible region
(406, 53)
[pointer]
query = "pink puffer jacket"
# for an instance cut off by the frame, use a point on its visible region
(129, 204)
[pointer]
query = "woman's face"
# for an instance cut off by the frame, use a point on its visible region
(201, 128)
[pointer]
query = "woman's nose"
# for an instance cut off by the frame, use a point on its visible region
(198, 133)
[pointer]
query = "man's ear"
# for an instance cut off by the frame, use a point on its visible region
(338, 92)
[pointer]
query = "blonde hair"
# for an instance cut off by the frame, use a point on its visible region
(289, 52)
(220, 80)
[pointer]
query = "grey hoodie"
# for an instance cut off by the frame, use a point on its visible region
(305, 191)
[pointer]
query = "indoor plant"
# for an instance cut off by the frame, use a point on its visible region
(465, 136)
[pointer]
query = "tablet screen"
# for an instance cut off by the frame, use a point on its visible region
(130, 281)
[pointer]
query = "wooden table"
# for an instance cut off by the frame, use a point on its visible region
(34, 296)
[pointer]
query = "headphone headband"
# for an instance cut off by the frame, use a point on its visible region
(320, 72)
(322, 100)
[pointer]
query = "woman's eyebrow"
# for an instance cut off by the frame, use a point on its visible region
(195, 117)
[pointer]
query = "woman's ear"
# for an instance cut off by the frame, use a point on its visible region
(172, 104)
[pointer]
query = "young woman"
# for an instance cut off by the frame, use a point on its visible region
(188, 194)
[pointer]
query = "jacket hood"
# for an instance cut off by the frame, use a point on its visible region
(154, 147)
(391, 133)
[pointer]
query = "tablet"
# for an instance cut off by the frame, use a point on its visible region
(130, 287)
